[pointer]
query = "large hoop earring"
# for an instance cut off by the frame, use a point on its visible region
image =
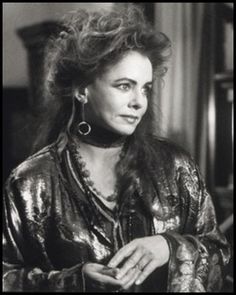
(83, 127)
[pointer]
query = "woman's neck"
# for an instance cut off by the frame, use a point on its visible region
(102, 138)
(100, 145)
(96, 155)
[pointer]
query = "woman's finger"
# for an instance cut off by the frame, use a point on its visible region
(144, 261)
(122, 254)
(109, 271)
(148, 269)
(95, 272)
(134, 275)
(105, 280)
(130, 263)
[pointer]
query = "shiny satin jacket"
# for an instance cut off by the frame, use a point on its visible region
(51, 229)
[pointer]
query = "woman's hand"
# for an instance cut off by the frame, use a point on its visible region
(144, 255)
(103, 278)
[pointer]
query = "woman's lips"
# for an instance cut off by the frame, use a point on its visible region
(130, 119)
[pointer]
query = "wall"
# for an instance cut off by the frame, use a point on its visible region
(18, 15)
(182, 23)
(18, 129)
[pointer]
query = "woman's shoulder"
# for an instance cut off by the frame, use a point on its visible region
(41, 163)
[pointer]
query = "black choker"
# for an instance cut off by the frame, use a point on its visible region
(101, 137)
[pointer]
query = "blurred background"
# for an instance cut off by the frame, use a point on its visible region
(196, 101)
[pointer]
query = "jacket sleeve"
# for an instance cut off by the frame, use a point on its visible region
(199, 254)
(26, 266)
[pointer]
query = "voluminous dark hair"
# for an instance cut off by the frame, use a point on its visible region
(88, 43)
(91, 41)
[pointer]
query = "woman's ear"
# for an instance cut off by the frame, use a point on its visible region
(81, 95)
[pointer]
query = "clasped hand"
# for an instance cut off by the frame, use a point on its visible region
(132, 264)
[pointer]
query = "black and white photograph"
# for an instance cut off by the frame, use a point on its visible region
(118, 145)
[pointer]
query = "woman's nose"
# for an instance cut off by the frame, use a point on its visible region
(138, 100)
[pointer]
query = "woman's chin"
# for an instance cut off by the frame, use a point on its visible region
(120, 129)
(125, 131)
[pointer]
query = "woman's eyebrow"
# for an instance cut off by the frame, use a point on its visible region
(131, 81)
(126, 79)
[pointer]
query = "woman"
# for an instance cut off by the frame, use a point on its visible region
(108, 206)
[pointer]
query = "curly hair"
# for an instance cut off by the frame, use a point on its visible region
(93, 40)
(88, 43)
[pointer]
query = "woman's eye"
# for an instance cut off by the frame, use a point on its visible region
(124, 87)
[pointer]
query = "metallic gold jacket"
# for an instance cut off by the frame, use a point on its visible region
(51, 229)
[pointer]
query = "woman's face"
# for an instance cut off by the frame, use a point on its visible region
(118, 99)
